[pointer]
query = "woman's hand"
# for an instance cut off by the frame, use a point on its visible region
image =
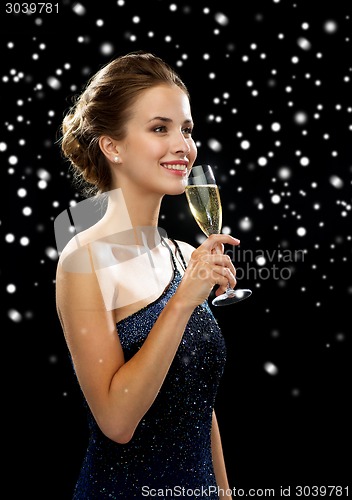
(208, 266)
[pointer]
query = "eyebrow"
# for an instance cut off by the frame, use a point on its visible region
(167, 120)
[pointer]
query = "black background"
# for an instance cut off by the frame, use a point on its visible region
(287, 427)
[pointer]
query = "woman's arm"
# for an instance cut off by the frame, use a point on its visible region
(119, 393)
(218, 461)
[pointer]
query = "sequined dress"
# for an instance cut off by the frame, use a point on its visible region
(169, 455)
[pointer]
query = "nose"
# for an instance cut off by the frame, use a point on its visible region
(181, 144)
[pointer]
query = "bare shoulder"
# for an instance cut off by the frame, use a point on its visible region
(76, 283)
(75, 256)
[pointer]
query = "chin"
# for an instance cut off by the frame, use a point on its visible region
(176, 191)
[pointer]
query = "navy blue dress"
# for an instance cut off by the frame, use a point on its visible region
(169, 455)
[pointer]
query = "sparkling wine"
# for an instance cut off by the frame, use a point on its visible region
(204, 202)
(203, 198)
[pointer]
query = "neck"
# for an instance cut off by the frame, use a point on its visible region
(140, 214)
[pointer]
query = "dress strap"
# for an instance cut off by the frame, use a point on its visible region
(178, 252)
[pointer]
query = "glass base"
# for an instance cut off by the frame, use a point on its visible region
(232, 296)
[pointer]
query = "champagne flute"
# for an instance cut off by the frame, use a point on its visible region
(203, 198)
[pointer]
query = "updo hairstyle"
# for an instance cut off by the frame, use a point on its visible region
(104, 108)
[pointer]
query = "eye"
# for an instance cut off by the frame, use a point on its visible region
(187, 130)
(161, 129)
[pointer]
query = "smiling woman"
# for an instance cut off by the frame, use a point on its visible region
(145, 346)
(152, 144)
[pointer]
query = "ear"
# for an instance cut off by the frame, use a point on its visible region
(109, 148)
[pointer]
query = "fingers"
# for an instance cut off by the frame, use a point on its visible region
(218, 240)
(220, 264)
(218, 268)
(227, 280)
(224, 276)
(216, 259)
(220, 260)
(209, 265)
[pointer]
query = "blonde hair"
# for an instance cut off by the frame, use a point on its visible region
(104, 108)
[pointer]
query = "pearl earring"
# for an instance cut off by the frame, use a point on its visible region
(116, 159)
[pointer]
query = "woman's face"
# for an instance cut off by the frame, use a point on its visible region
(158, 151)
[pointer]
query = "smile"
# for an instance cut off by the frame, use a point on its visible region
(177, 166)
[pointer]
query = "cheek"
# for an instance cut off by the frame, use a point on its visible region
(150, 148)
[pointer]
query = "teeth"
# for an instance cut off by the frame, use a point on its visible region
(175, 167)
